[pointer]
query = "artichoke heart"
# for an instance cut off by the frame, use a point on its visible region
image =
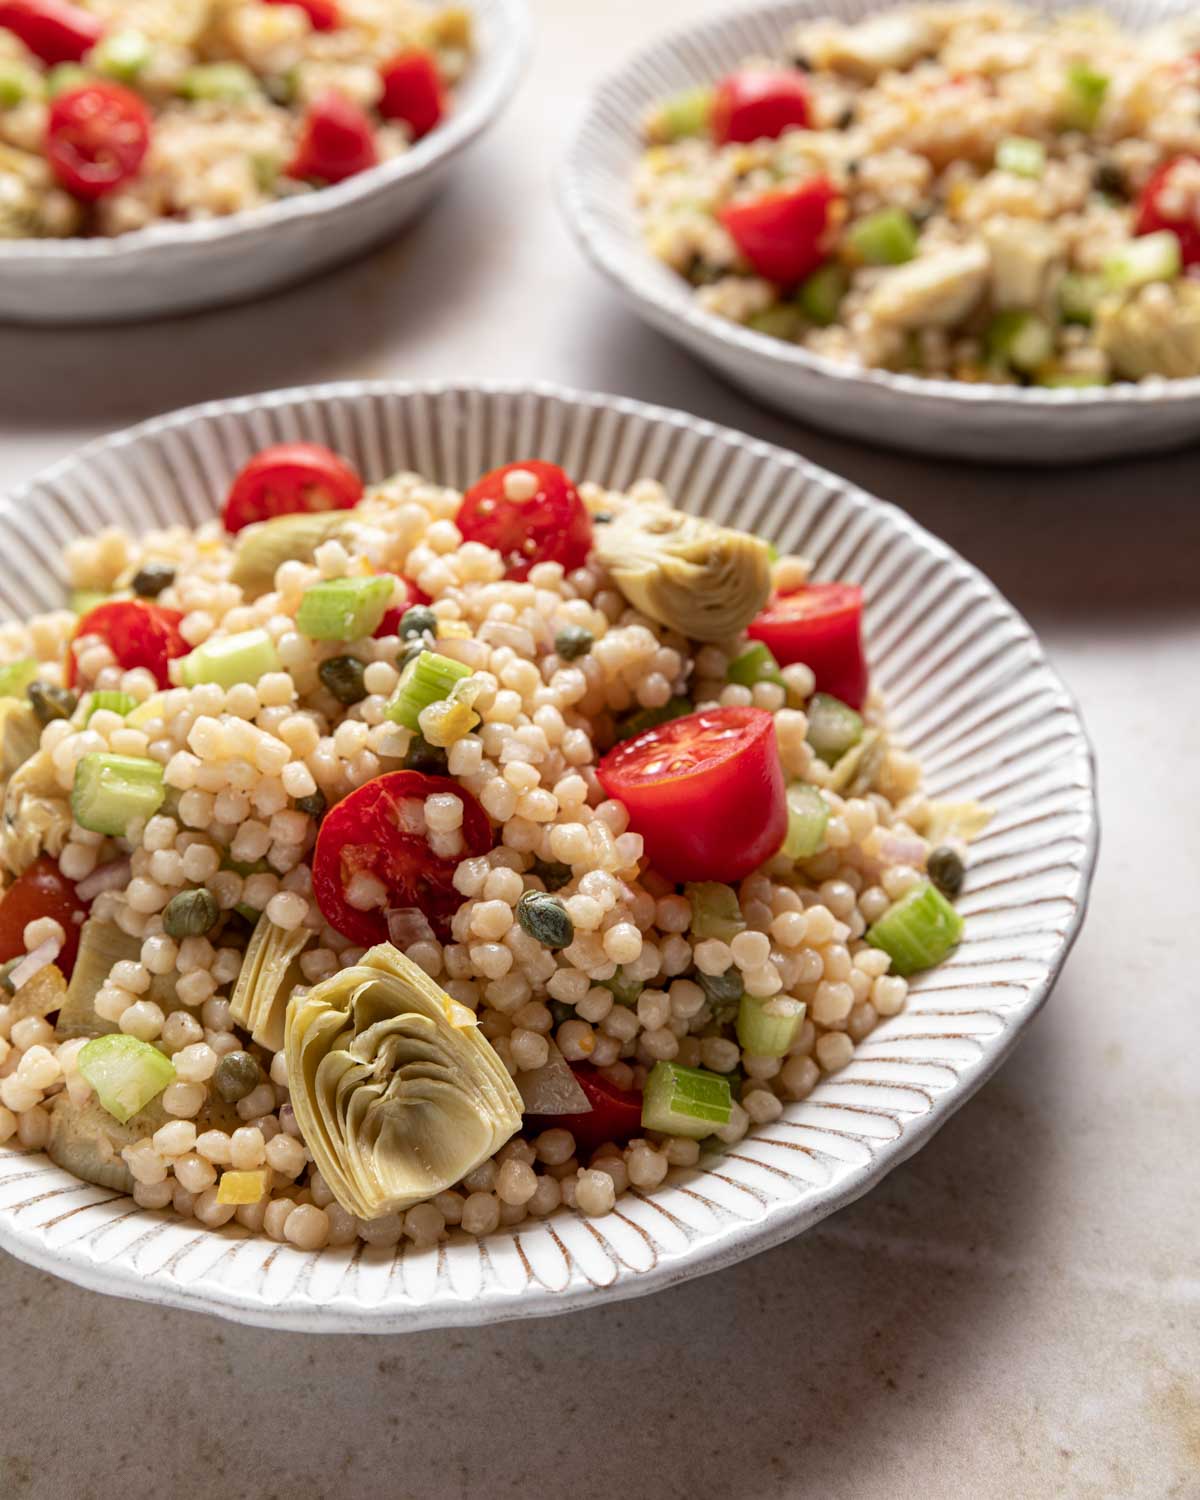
(36, 816)
(101, 945)
(703, 580)
(260, 549)
(20, 735)
(1152, 335)
(397, 1092)
(86, 1141)
(270, 972)
(854, 772)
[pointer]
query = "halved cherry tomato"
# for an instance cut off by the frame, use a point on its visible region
(821, 626)
(291, 477)
(323, 15)
(97, 138)
(784, 234)
(53, 30)
(758, 103)
(412, 92)
(42, 891)
(1152, 216)
(337, 140)
(362, 836)
(138, 633)
(705, 792)
(552, 526)
(615, 1115)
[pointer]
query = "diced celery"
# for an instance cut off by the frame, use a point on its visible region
(428, 679)
(1021, 155)
(1085, 94)
(18, 82)
(241, 1187)
(808, 813)
(783, 321)
(625, 991)
(343, 609)
(685, 1101)
(1078, 295)
(887, 237)
(152, 708)
(918, 931)
(125, 1073)
(756, 664)
(651, 718)
(821, 294)
(121, 55)
(1068, 380)
(230, 659)
(65, 76)
(110, 699)
(767, 1027)
(833, 727)
(1150, 257)
(681, 115)
(16, 677)
(223, 82)
(83, 600)
(1021, 339)
(716, 910)
(110, 791)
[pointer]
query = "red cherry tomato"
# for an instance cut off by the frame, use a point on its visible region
(705, 792)
(615, 1115)
(552, 526)
(783, 234)
(53, 30)
(323, 15)
(758, 103)
(390, 624)
(337, 140)
(42, 891)
(1153, 216)
(821, 626)
(412, 92)
(291, 477)
(97, 138)
(138, 633)
(362, 836)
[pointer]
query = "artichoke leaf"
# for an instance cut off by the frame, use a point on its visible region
(1144, 337)
(101, 945)
(86, 1141)
(270, 972)
(397, 1097)
(36, 816)
(941, 822)
(41, 995)
(20, 735)
(854, 772)
(703, 580)
(260, 549)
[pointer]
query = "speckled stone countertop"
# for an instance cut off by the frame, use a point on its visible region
(1016, 1311)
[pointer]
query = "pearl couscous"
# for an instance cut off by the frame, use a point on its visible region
(383, 862)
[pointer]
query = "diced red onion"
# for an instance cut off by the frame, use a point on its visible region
(33, 963)
(904, 849)
(109, 877)
(408, 925)
(552, 1089)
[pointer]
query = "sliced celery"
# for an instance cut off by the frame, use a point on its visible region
(110, 791)
(16, 677)
(768, 1027)
(716, 910)
(64, 77)
(821, 295)
(651, 718)
(230, 659)
(1021, 155)
(756, 664)
(887, 237)
(685, 1101)
(18, 82)
(1150, 257)
(125, 1073)
(111, 700)
(428, 679)
(1085, 94)
(1078, 295)
(918, 931)
(343, 609)
(121, 55)
(681, 115)
(1065, 380)
(84, 599)
(808, 813)
(833, 727)
(223, 82)
(783, 321)
(1021, 339)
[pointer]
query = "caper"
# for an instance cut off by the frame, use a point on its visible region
(343, 677)
(50, 702)
(5, 970)
(417, 620)
(545, 918)
(151, 578)
(846, 118)
(415, 648)
(1108, 178)
(552, 875)
(602, 517)
(573, 641)
(723, 990)
(314, 804)
(190, 913)
(422, 756)
(236, 1076)
(945, 869)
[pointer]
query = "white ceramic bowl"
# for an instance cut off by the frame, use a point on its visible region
(173, 267)
(972, 694)
(934, 416)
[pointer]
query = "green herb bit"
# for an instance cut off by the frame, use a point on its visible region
(724, 991)
(552, 874)
(625, 991)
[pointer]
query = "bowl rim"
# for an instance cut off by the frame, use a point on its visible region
(736, 1241)
(490, 86)
(670, 301)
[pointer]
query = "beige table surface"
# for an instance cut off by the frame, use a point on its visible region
(1013, 1315)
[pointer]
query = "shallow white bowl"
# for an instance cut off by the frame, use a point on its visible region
(972, 695)
(935, 416)
(174, 267)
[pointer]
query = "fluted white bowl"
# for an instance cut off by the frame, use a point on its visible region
(951, 418)
(174, 267)
(970, 692)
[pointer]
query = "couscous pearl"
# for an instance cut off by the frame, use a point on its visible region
(194, 1172)
(594, 1193)
(481, 1213)
(834, 1051)
(183, 1100)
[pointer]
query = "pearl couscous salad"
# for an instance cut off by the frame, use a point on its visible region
(973, 191)
(115, 114)
(387, 861)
